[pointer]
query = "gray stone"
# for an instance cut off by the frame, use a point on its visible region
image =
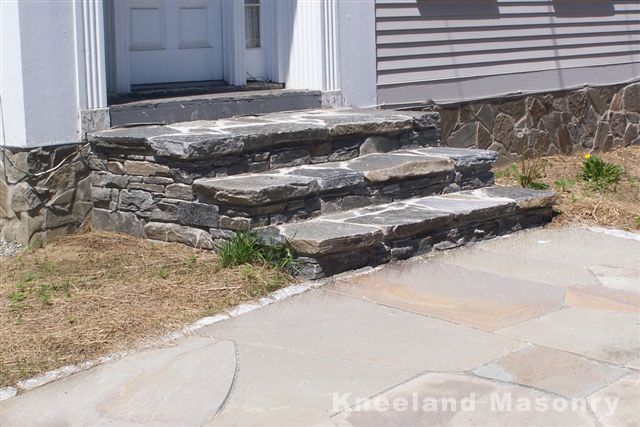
(157, 180)
(617, 123)
(539, 142)
(565, 141)
(386, 167)
(523, 197)
(631, 98)
(198, 214)
(135, 200)
(235, 223)
(24, 198)
(515, 109)
(465, 206)
(100, 194)
(151, 188)
(503, 129)
(448, 121)
(378, 144)
(164, 212)
(134, 167)
(403, 222)
(289, 158)
(256, 189)
(564, 373)
(630, 135)
(485, 115)
(323, 237)
(179, 191)
(62, 198)
(105, 179)
(115, 168)
(484, 137)
(464, 137)
(121, 222)
(602, 133)
(178, 233)
(330, 178)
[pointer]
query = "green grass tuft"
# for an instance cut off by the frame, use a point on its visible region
(246, 248)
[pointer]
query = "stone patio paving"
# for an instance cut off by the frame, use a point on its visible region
(546, 317)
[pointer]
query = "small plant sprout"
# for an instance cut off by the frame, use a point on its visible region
(564, 184)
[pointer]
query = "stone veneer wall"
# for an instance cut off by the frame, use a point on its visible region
(588, 119)
(36, 205)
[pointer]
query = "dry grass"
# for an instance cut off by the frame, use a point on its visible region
(580, 203)
(95, 293)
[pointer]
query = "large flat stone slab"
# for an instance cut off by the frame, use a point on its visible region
(403, 221)
(568, 246)
(459, 295)
(603, 298)
(323, 323)
(284, 387)
(521, 267)
(390, 166)
(437, 399)
(605, 336)
(322, 237)
(256, 189)
(464, 204)
(625, 395)
(203, 139)
(410, 218)
(181, 385)
(552, 370)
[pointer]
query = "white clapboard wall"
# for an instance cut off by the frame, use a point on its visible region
(453, 50)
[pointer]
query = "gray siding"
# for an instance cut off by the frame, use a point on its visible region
(423, 46)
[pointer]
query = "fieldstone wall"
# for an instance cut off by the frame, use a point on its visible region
(44, 192)
(588, 119)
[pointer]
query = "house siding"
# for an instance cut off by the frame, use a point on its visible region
(457, 50)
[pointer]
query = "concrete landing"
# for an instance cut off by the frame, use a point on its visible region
(488, 335)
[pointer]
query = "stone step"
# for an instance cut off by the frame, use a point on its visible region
(214, 106)
(300, 192)
(376, 235)
(197, 149)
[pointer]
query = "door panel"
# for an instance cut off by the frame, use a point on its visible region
(172, 40)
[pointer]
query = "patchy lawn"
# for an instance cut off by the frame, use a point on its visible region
(95, 293)
(579, 201)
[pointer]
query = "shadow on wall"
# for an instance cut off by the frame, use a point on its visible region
(469, 9)
(583, 7)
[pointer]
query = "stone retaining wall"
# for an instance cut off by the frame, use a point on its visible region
(35, 205)
(588, 119)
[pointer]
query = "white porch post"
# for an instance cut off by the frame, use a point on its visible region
(91, 68)
(233, 41)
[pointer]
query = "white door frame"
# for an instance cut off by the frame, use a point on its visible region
(232, 46)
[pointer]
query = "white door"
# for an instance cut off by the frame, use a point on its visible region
(254, 59)
(165, 41)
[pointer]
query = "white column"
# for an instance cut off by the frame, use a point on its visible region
(233, 41)
(91, 67)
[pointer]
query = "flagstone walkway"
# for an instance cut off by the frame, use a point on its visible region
(539, 328)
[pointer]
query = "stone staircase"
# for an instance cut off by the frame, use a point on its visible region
(346, 188)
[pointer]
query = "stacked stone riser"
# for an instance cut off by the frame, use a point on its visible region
(447, 238)
(235, 218)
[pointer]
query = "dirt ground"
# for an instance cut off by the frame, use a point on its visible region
(94, 293)
(580, 203)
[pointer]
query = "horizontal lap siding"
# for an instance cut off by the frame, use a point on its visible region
(425, 41)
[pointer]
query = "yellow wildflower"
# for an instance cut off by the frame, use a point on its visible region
(587, 156)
